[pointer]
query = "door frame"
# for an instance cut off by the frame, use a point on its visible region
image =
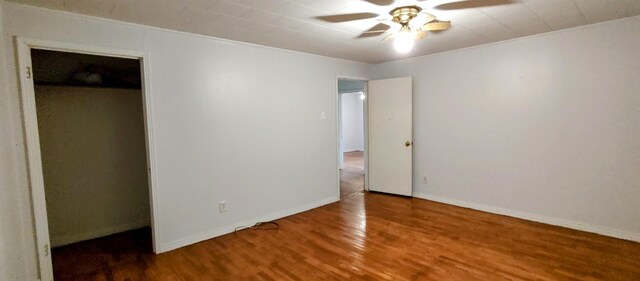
(365, 118)
(32, 138)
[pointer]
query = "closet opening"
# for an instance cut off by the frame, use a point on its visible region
(88, 149)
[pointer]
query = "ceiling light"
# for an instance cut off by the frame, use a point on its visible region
(362, 96)
(405, 40)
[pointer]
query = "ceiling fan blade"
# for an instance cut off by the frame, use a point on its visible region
(468, 4)
(376, 30)
(418, 35)
(370, 34)
(381, 2)
(390, 22)
(420, 20)
(381, 27)
(347, 17)
(429, 17)
(436, 26)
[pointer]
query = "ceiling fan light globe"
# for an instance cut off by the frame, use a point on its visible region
(404, 42)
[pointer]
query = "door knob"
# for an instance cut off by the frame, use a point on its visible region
(408, 143)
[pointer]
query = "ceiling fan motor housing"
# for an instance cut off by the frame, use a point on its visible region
(404, 14)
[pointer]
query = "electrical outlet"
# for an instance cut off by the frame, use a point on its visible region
(424, 179)
(222, 205)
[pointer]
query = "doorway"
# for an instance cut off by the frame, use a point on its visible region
(387, 107)
(351, 132)
(89, 150)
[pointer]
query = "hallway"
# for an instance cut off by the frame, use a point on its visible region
(352, 176)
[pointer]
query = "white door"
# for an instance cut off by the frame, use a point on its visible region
(390, 143)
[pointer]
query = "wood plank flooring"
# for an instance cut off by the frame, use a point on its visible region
(352, 176)
(366, 236)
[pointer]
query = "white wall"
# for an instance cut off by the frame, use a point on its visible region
(222, 123)
(547, 127)
(352, 122)
(94, 161)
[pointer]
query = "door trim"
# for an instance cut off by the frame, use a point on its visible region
(339, 128)
(32, 138)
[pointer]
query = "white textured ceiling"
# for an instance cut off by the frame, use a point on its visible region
(291, 24)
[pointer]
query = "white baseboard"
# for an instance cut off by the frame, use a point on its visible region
(230, 228)
(534, 217)
(77, 237)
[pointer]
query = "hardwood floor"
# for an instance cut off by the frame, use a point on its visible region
(352, 176)
(366, 236)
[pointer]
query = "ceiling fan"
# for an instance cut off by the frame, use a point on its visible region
(408, 23)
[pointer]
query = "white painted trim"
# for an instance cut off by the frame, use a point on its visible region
(533, 217)
(339, 127)
(231, 228)
(365, 121)
(145, 71)
(34, 164)
(77, 237)
(79, 48)
(32, 139)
